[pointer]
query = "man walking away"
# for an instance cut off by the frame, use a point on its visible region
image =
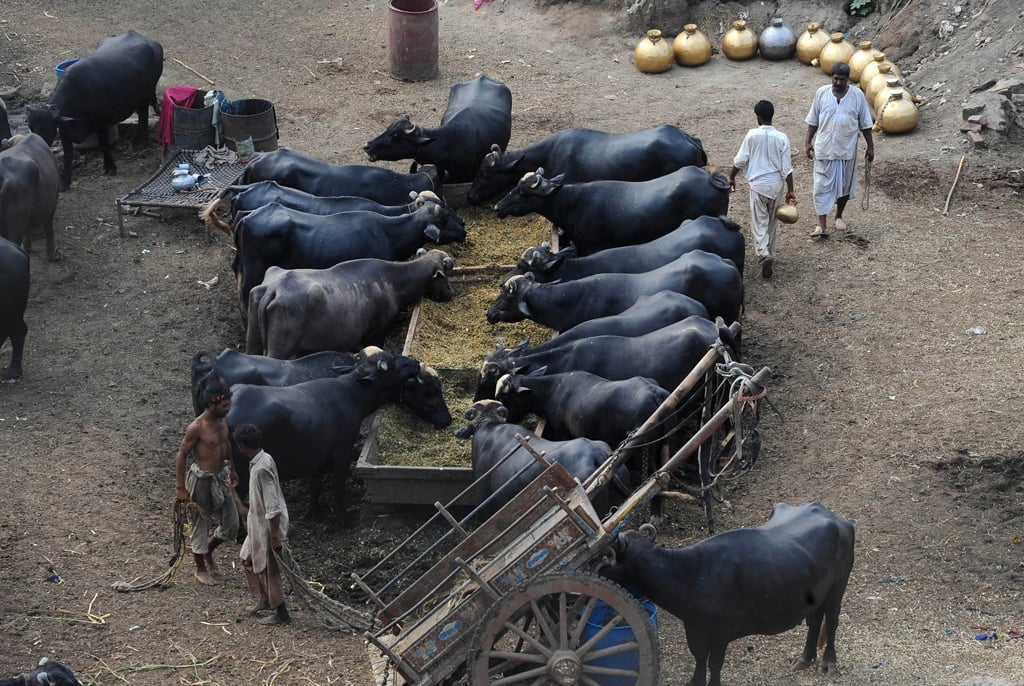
(766, 162)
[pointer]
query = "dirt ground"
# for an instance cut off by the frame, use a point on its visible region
(886, 407)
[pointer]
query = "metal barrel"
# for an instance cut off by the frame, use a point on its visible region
(412, 39)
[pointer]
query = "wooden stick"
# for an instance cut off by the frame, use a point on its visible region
(193, 71)
(956, 178)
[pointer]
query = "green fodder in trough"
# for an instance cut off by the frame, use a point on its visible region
(405, 439)
(491, 241)
(456, 335)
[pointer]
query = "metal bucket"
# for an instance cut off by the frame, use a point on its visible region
(412, 39)
(193, 127)
(254, 119)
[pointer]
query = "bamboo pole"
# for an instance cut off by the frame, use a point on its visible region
(193, 71)
(945, 210)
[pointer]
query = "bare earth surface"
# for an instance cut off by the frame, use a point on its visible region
(888, 410)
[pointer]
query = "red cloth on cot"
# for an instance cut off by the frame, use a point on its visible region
(182, 96)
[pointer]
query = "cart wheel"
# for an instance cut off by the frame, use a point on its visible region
(547, 632)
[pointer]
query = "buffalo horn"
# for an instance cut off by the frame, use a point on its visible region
(649, 531)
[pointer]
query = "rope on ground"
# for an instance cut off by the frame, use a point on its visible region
(334, 614)
(179, 520)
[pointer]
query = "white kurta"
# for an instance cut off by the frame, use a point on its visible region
(766, 161)
(839, 124)
(266, 501)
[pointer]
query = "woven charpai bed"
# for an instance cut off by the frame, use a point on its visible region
(220, 168)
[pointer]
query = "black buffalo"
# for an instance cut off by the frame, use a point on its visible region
(713, 281)
(649, 313)
(580, 404)
(763, 580)
(28, 191)
(232, 366)
(5, 123)
(295, 312)
(14, 282)
(589, 155)
(235, 201)
(596, 215)
(495, 446)
(319, 177)
(311, 428)
(718, 235)
(276, 236)
(479, 116)
(666, 355)
(99, 91)
(48, 673)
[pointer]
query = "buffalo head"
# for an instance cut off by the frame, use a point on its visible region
(542, 262)
(531, 194)
(400, 141)
(511, 305)
(440, 286)
(445, 226)
(423, 395)
(480, 413)
(497, 174)
(43, 120)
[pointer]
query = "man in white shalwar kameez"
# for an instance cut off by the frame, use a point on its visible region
(766, 162)
(837, 114)
(267, 525)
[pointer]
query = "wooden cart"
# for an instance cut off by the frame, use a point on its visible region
(518, 600)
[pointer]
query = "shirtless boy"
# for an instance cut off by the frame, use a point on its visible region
(209, 480)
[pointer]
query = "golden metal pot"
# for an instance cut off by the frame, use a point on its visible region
(836, 50)
(898, 114)
(860, 58)
(810, 43)
(870, 69)
(882, 96)
(787, 213)
(653, 54)
(691, 47)
(739, 42)
(877, 82)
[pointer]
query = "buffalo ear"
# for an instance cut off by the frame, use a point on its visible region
(433, 233)
(523, 308)
(649, 531)
(502, 412)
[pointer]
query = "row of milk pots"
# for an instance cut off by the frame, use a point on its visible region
(878, 78)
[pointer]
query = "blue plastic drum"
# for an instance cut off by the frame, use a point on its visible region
(63, 67)
(621, 634)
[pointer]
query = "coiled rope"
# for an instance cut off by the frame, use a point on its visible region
(180, 528)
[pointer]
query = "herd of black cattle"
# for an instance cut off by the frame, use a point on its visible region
(329, 255)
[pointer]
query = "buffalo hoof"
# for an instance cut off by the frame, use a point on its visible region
(828, 667)
(802, 663)
(55, 256)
